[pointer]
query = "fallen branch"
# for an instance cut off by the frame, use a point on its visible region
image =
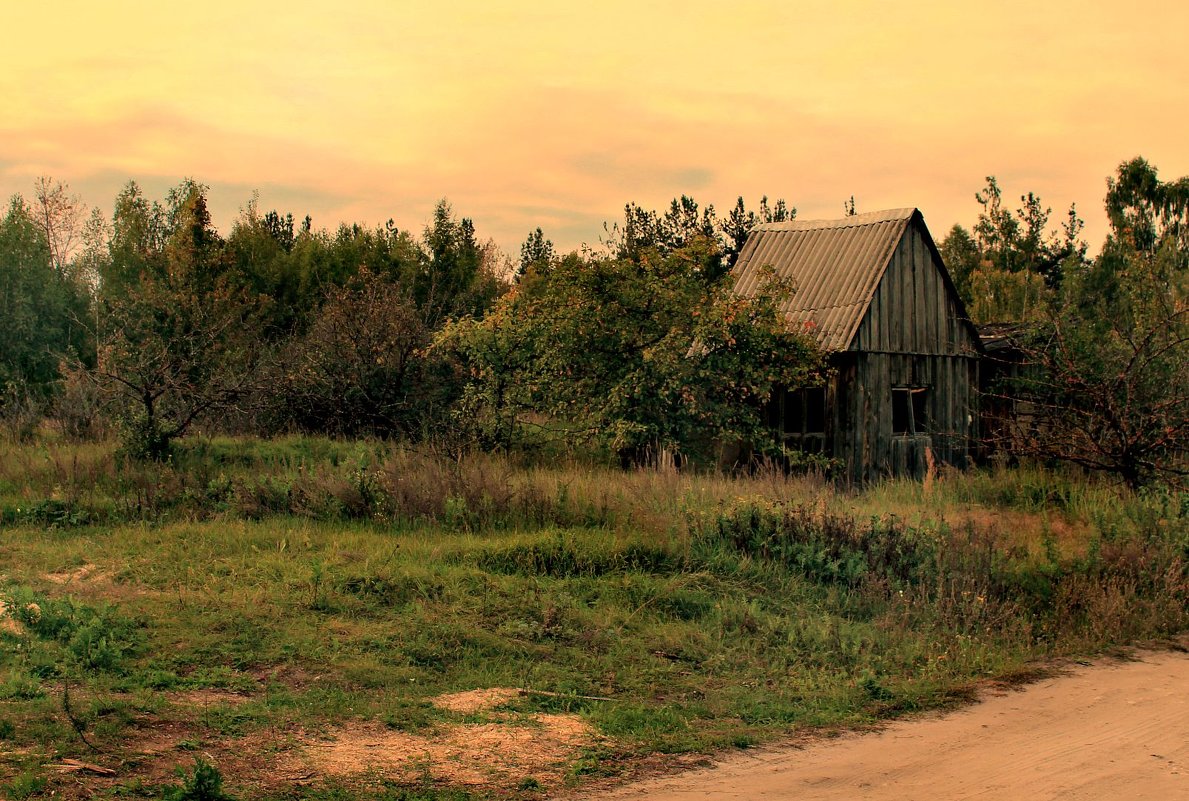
(79, 726)
(74, 766)
(547, 694)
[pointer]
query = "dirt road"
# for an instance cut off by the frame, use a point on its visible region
(1110, 731)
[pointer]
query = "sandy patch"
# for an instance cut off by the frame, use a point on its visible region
(488, 754)
(8, 623)
(208, 698)
(87, 572)
(471, 701)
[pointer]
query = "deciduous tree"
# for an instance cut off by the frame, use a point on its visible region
(177, 340)
(644, 354)
(1106, 380)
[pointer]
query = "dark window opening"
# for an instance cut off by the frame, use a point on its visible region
(909, 410)
(815, 410)
(800, 411)
(794, 413)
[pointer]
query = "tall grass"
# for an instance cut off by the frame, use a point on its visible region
(329, 480)
(342, 581)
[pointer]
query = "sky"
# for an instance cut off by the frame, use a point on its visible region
(527, 114)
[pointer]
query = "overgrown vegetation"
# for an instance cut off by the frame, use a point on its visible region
(152, 322)
(1102, 344)
(250, 597)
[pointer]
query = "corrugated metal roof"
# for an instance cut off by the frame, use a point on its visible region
(835, 266)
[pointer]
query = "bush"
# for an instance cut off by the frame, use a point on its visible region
(828, 547)
(143, 439)
(94, 638)
(205, 783)
(78, 409)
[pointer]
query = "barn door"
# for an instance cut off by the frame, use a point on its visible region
(912, 442)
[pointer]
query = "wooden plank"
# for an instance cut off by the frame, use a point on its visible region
(940, 304)
(884, 421)
(933, 288)
(900, 340)
(924, 266)
(862, 454)
(955, 401)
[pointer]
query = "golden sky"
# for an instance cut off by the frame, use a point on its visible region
(556, 114)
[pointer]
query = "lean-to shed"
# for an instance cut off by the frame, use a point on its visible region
(873, 290)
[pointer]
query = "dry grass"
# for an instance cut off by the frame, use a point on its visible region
(359, 614)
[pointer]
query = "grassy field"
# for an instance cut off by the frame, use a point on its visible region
(317, 618)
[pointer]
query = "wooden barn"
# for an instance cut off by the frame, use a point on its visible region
(873, 290)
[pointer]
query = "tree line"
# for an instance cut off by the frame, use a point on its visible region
(1102, 342)
(152, 322)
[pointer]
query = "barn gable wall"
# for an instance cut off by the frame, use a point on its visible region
(861, 417)
(913, 335)
(912, 310)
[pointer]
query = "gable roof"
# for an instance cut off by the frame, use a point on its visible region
(835, 265)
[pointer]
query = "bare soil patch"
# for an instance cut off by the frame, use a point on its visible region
(495, 755)
(87, 572)
(471, 701)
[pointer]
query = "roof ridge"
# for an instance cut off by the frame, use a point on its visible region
(852, 221)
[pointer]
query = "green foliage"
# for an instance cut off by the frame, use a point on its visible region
(1106, 378)
(826, 547)
(456, 280)
(536, 250)
(185, 323)
(1146, 212)
(27, 784)
(1012, 265)
(51, 513)
(642, 354)
(362, 367)
(39, 308)
(705, 619)
(90, 638)
(205, 783)
(177, 339)
(567, 556)
(685, 223)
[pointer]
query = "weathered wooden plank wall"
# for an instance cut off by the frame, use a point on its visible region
(911, 336)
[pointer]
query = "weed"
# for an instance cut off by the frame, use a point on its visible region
(317, 574)
(20, 687)
(827, 547)
(25, 785)
(204, 783)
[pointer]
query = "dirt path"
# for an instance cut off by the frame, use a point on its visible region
(1113, 730)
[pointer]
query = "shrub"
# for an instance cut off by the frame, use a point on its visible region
(827, 547)
(205, 783)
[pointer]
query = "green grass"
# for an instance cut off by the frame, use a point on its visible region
(319, 584)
